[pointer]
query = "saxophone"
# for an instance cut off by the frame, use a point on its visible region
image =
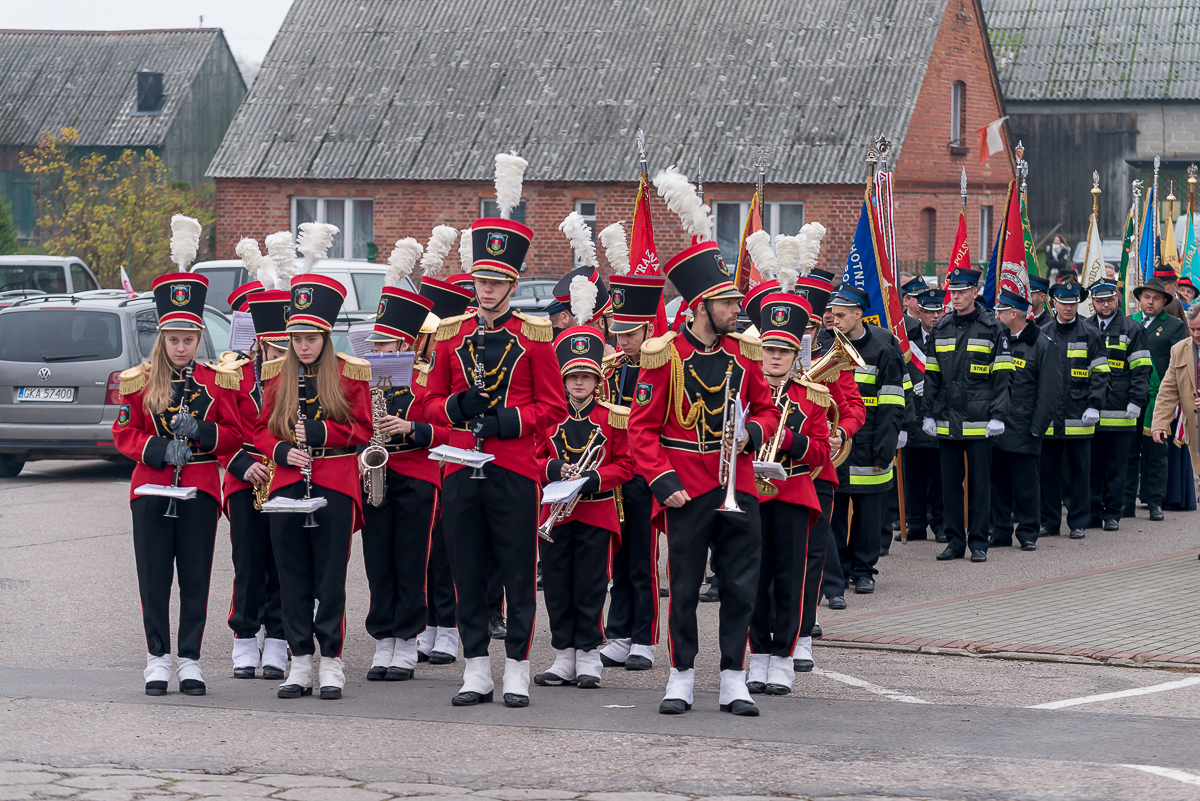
(262, 492)
(373, 460)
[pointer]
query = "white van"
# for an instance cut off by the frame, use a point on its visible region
(363, 281)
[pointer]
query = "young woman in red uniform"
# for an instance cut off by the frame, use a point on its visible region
(176, 537)
(337, 411)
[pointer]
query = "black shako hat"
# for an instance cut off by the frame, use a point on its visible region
(562, 293)
(752, 303)
(400, 316)
(179, 299)
(498, 248)
(816, 289)
(449, 299)
(316, 302)
(269, 311)
(784, 320)
(635, 300)
(580, 348)
(700, 273)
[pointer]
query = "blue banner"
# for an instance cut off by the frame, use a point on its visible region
(1150, 251)
(863, 272)
(989, 285)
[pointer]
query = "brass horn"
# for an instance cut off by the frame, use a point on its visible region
(825, 370)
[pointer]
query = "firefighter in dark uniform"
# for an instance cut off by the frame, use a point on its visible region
(632, 626)
(919, 456)
(1128, 392)
(1038, 289)
(495, 379)
(1033, 399)
(681, 443)
(864, 478)
(173, 536)
(1084, 363)
(966, 398)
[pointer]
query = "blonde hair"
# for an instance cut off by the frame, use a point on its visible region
(159, 393)
(285, 392)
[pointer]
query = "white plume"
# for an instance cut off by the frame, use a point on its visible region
(247, 250)
(758, 245)
(787, 253)
(315, 239)
(283, 259)
(682, 199)
(583, 299)
(402, 261)
(185, 240)
(510, 170)
(465, 258)
(616, 248)
(580, 235)
(437, 249)
(810, 245)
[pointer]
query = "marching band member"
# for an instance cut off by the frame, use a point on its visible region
(495, 379)
(588, 443)
(397, 534)
(315, 456)
(632, 625)
(800, 443)
(256, 602)
(681, 432)
(181, 449)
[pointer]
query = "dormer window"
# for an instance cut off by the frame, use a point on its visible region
(150, 97)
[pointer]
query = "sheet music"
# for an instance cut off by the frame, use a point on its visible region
(770, 470)
(167, 491)
(449, 453)
(241, 331)
(396, 367)
(560, 491)
(806, 351)
(739, 421)
(357, 335)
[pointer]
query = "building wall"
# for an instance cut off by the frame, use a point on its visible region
(216, 91)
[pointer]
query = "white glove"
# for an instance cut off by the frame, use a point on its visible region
(1132, 411)
(1090, 417)
(919, 388)
(928, 426)
(902, 441)
(995, 428)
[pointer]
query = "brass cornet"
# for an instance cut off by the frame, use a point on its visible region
(727, 473)
(770, 450)
(825, 370)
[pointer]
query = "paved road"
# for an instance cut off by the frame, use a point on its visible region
(903, 725)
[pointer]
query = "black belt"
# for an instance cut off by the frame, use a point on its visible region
(709, 446)
(201, 458)
(329, 453)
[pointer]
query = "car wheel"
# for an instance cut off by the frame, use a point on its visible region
(10, 466)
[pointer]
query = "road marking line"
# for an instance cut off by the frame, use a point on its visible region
(1091, 699)
(868, 686)
(1169, 773)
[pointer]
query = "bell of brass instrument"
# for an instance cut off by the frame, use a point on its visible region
(590, 460)
(374, 458)
(770, 450)
(841, 356)
(727, 473)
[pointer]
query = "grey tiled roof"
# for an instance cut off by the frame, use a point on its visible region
(1096, 49)
(431, 90)
(87, 80)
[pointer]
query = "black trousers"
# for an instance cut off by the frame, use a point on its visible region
(819, 538)
(1110, 463)
(1078, 452)
(312, 566)
(737, 542)
(396, 538)
(496, 516)
(495, 587)
(164, 546)
(633, 604)
(1016, 490)
(439, 588)
(1153, 477)
(779, 604)
(922, 490)
(857, 534)
(256, 600)
(574, 583)
(979, 488)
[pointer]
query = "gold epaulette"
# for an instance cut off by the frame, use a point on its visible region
(354, 368)
(539, 329)
(231, 356)
(751, 346)
(656, 351)
(450, 326)
(228, 375)
(817, 393)
(422, 376)
(618, 416)
(134, 379)
(752, 332)
(271, 369)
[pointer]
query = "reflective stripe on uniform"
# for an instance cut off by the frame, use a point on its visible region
(979, 345)
(1076, 354)
(1003, 363)
(1076, 428)
(944, 344)
(1139, 358)
(974, 429)
(908, 384)
(868, 476)
(1098, 362)
(1115, 421)
(932, 365)
(942, 426)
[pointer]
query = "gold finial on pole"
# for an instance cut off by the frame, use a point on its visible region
(962, 187)
(1095, 192)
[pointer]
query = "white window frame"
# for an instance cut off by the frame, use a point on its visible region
(347, 220)
(956, 111)
(986, 240)
(771, 218)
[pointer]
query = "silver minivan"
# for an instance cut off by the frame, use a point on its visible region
(26, 276)
(61, 358)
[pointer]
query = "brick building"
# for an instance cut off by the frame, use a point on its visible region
(384, 117)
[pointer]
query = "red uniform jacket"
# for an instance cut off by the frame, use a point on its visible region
(675, 453)
(248, 398)
(144, 438)
(565, 443)
(521, 378)
(408, 454)
(803, 445)
(335, 462)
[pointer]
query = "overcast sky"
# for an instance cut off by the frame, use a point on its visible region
(249, 25)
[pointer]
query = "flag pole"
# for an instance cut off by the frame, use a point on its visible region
(762, 155)
(641, 143)
(1155, 224)
(1022, 168)
(700, 178)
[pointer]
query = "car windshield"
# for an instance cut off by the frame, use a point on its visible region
(218, 329)
(368, 287)
(59, 335)
(221, 283)
(50, 279)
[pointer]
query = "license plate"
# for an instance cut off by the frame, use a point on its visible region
(46, 394)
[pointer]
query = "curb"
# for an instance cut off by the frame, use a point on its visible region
(975, 651)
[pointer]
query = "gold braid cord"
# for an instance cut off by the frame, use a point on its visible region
(133, 380)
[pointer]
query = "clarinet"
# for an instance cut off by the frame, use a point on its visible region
(183, 410)
(306, 471)
(480, 345)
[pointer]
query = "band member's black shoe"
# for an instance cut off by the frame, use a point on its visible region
(439, 658)
(608, 661)
(865, 585)
(1076, 534)
(549, 679)
(192, 687)
(978, 556)
(940, 537)
(710, 595)
(1112, 525)
(742, 708)
(635, 662)
(1029, 546)
(1156, 514)
(156, 688)
(331, 693)
(516, 701)
(377, 673)
(802, 665)
(949, 554)
(293, 691)
(585, 682)
(816, 631)
(778, 689)
(243, 673)
(272, 672)
(398, 674)
(673, 706)
(837, 602)
(471, 699)
(497, 629)
(756, 687)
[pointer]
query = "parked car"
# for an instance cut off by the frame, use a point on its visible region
(1110, 248)
(363, 281)
(26, 276)
(532, 296)
(61, 358)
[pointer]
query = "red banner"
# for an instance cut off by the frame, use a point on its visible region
(960, 256)
(643, 257)
(746, 276)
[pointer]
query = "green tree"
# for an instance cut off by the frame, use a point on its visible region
(111, 213)
(8, 230)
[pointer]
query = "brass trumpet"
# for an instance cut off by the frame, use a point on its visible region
(727, 473)
(825, 370)
(770, 450)
(593, 454)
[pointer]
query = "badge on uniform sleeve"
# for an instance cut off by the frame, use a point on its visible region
(642, 393)
(123, 416)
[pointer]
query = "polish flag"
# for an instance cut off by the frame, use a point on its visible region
(991, 140)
